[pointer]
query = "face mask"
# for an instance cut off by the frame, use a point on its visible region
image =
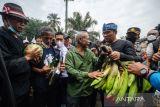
(151, 38)
(132, 38)
(13, 30)
(59, 44)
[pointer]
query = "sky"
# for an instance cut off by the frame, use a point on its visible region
(125, 13)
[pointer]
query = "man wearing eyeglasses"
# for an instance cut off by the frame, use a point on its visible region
(17, 63)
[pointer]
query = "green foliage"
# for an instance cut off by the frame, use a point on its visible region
(75, 23)
(78, 23)
(94, 35)
(32, 28)
(54, 22)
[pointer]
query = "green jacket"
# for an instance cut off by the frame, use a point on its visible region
(78, 68)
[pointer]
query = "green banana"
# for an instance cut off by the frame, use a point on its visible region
(122, 76)
(132, 91)
(104, 85)
(107, 70)
(96, 81)
(146, 85)
(116, 87)
(115, 82)
(131, 78)
(100, 84)
(111, 77)
(123, 89)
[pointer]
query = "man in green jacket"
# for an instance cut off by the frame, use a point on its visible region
(79, 63)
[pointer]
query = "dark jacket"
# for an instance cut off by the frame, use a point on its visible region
(17, 66)
(40, 81)
(6, 92)
(126, 49)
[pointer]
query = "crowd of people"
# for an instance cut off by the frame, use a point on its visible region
(63, 75)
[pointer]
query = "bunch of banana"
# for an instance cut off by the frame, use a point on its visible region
(117, 83)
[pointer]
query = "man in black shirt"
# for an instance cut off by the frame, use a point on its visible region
(12, 47)
(122, 49)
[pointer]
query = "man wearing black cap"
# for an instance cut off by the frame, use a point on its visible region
(12, 47)
(133, 34)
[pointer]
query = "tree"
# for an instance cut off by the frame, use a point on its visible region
(93, 35)
(78, 23)
(54, 22)
(32, 28)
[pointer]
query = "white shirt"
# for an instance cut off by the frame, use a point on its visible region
(63, 52)
(150, 50)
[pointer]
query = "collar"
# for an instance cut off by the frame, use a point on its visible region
(10, 32)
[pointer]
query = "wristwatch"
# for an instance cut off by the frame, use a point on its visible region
(144, 71)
